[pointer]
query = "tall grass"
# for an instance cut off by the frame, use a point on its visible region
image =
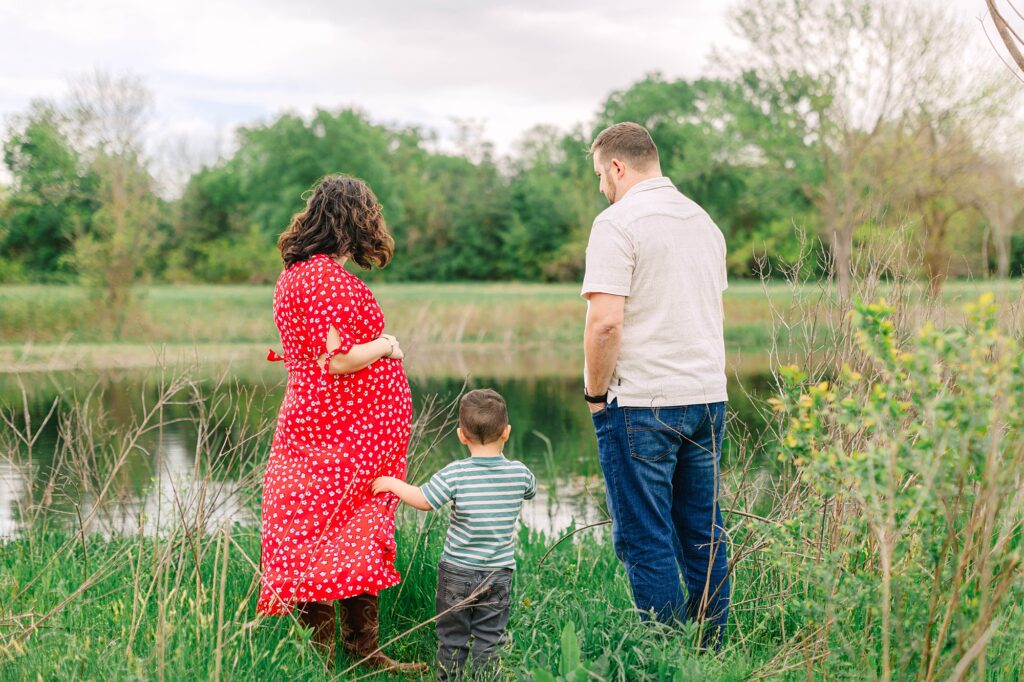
(175, 599)
(885, 544)
(897, 516)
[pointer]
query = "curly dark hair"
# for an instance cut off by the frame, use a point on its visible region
(342, 218)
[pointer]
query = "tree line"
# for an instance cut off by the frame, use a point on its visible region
(871, 123)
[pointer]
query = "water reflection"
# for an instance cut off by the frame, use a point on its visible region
(13, 497)
(178, 495)
(576, 501)
(162, 482)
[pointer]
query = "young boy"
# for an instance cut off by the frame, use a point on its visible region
(487, 492)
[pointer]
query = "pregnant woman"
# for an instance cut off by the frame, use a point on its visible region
(345, 420)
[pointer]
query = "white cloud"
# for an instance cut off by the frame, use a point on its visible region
(216, 64)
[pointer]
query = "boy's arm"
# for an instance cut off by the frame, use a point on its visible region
(410, 494)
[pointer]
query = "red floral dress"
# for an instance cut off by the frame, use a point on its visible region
(325, 536)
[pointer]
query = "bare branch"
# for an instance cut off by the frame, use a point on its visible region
(1012, 40)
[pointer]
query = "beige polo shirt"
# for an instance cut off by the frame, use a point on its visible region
(664, 253)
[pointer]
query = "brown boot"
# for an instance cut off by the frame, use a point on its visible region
(359, 631)
(319, 617)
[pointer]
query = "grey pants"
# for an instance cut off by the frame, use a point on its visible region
(475, 605)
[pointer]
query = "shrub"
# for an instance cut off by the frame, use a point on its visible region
(907, 540)
(11, 271)
(248, 258)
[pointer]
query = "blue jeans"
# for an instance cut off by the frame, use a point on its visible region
(662, 479)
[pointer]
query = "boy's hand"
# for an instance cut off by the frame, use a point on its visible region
(409, 494)
(384, 484)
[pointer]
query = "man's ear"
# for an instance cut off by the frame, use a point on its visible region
(618, 168)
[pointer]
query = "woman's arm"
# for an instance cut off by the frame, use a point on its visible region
(361, 355)
(410, 494)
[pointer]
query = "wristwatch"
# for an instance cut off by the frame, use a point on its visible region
(603, 398)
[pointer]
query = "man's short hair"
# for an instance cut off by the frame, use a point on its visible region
(483, 416)
(628, 142)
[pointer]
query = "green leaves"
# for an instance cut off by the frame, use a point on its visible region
(49, 199)
(570, 651)
(571, 667)
(909, 474)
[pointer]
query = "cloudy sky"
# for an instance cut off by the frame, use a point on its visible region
(215, 64)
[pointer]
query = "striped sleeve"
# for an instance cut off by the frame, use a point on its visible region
(439, 491)
(531, 485)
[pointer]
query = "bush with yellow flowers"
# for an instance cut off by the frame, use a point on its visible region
(902, 533)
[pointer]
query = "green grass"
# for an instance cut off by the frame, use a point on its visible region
(446, 315)
(183, 608)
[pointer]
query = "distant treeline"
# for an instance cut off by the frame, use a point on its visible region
(774, 155)
(455, 216)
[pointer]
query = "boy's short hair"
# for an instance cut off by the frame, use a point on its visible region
(483, 416)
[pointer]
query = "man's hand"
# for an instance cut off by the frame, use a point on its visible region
(596, 407)
(384, 484)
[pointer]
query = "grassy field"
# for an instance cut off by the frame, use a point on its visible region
(55, 326)
(431, 313)
(184, 609)
(887, 544)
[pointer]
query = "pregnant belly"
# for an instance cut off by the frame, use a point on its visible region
(383, 384)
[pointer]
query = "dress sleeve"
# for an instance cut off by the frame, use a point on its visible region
(332, 302)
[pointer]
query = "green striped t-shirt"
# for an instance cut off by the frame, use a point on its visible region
(487, 494)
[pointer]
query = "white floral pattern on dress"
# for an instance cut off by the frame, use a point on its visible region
(325, 536)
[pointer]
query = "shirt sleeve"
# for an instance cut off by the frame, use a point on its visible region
(331, 302)
(610, 260)
(531, 486)
(438, 491)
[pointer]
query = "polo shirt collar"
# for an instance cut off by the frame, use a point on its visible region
(648, 184)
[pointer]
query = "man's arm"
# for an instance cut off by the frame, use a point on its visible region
(410, 494)
(602, 339)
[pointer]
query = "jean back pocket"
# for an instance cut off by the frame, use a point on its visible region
(654, 433)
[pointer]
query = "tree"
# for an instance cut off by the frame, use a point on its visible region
(858, 69)
(987, 184)
(246, 201)
(51, 195)
(449, 213)
(554, 199)
(475, 202)
(1002, 204)
(120, 246)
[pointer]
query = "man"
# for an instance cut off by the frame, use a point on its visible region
(655, 381)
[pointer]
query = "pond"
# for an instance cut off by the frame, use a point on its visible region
(76, 439)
